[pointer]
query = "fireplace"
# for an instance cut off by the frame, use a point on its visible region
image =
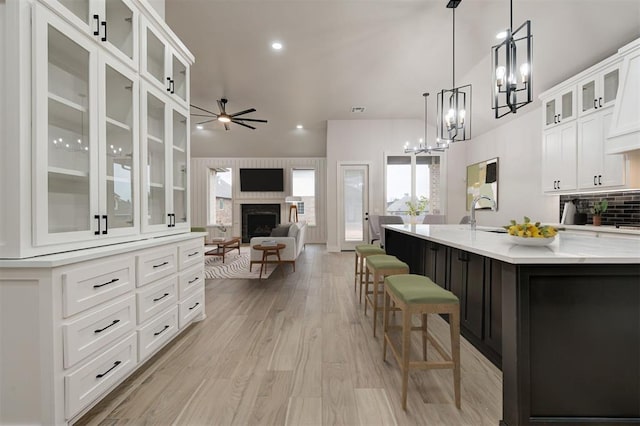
(258, 220)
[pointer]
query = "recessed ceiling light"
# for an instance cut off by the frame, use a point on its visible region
(276, 45)
(299, 126)
(199, 127)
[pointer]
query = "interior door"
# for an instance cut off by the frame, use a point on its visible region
(353, 205)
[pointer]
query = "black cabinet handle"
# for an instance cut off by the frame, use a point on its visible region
(599, 179)
(168, 84)
(161, 331)
(110, 325)
(594, 180)
(115, 280)
(559, 118)
(162, 264)
(194, 306)
(555, 184)
(173, 222)
(161, 297)
(106, 224)
(97, 31)
(193, 254)
(115, 364)
(172, 85)
(555, 119)
(104, 25)
(600, 102)
(194, 280)
(558, 184)
(169, 216)
(595, 103)
(97, 217)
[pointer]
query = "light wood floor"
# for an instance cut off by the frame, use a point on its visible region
(296, 350)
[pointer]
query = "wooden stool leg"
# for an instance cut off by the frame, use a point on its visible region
(355, 274)
(366, 289)
(424, 336)
(385, 324)
(362, 269)
(376, 284)
(454, 325)
(264, 259)
(406, 344)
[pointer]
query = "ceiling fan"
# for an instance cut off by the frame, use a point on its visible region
(226, 118)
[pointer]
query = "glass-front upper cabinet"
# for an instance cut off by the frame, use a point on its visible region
(162, 65)
(560, 108)
(112, 22)
(600, 90)
(180, 145)
(65, 126)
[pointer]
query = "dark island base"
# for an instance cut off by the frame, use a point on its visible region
(569, 334)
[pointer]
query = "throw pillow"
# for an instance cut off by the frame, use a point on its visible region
(293, 230)
(281, 230)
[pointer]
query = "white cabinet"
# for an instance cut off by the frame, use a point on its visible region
(597, 169)
(599, 90)
(165, 150)
(560, 107)
(113, 23)
(559, 158)
(163, 66)
(86, 133)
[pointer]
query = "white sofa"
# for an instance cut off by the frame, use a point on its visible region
(294, 242)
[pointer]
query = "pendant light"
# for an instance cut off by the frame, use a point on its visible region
(453, 115)
(512, 70)
(423, 147)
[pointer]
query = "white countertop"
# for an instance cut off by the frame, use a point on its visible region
(598, 229)
(568, 248)
(69, 257)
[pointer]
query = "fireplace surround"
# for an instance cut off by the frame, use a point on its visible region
(259, 219)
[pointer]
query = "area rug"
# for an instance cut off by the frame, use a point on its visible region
(235, 266)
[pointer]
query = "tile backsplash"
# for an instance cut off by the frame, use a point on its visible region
(624, 207)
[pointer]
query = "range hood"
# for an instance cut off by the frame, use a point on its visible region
(624, 134)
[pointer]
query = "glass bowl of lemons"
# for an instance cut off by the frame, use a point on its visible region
(530, 234)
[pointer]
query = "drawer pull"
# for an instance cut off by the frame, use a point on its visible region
(161, 331)
(193, 254)
(161, 297)
(194, 306)
(115, 364)
(110, 325)
(107, 283)
(194, 280)
(162, 264)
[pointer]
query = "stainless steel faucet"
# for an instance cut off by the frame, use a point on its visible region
(472, 222)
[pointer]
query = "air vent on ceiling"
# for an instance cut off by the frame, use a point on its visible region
(357, 109)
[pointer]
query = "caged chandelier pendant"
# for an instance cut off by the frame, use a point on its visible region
(511, 68)
(453, 118)
(423, 147)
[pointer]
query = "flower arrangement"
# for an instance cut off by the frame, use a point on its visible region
(414, 209)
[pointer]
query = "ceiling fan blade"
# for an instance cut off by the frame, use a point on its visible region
(202, 109)
(226, 126)
(201, 115)
(251, 119)
(221, 106)
(242, 124)
(207, 121)
(246, 111)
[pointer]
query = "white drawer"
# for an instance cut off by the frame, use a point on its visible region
(86, 287)
(97, 329)
(157, 332)
(191, 253)
(191, 280)
(156, 263)
(156, 298)
(87, 383)
(191, 307)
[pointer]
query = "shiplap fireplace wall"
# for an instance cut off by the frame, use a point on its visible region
(199, 185)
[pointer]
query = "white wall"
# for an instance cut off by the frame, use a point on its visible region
(199, 183)
(518, 145)
(158, 6)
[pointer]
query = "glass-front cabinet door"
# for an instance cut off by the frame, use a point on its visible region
(113, 23)
(119, 149)
(180, 129)
(65, 125)
(600, 90)
(560, 108)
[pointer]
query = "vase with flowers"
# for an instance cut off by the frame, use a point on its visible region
(415, 208)
(598, 208)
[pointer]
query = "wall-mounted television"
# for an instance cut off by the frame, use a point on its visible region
(262, 180)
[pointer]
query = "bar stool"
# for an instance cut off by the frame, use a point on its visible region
(362, 251)
(381, 266)
(416, 294)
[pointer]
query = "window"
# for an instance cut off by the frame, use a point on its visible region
(409, 178)
(303, 184)
(220, 197)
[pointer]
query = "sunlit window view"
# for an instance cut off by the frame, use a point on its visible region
(220, 197)
(304, 185)
(411, 179)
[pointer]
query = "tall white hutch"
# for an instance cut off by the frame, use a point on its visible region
(98, 269)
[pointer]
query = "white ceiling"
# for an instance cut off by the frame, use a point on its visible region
(380, 54)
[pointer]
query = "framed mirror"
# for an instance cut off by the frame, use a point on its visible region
(482, 179)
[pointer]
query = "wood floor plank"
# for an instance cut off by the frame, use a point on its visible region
(296, 349)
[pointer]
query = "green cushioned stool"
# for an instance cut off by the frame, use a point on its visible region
(362, 251)
(415, 294)
(380, 266)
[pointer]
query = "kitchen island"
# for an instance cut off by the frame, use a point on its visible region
(562, 321)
